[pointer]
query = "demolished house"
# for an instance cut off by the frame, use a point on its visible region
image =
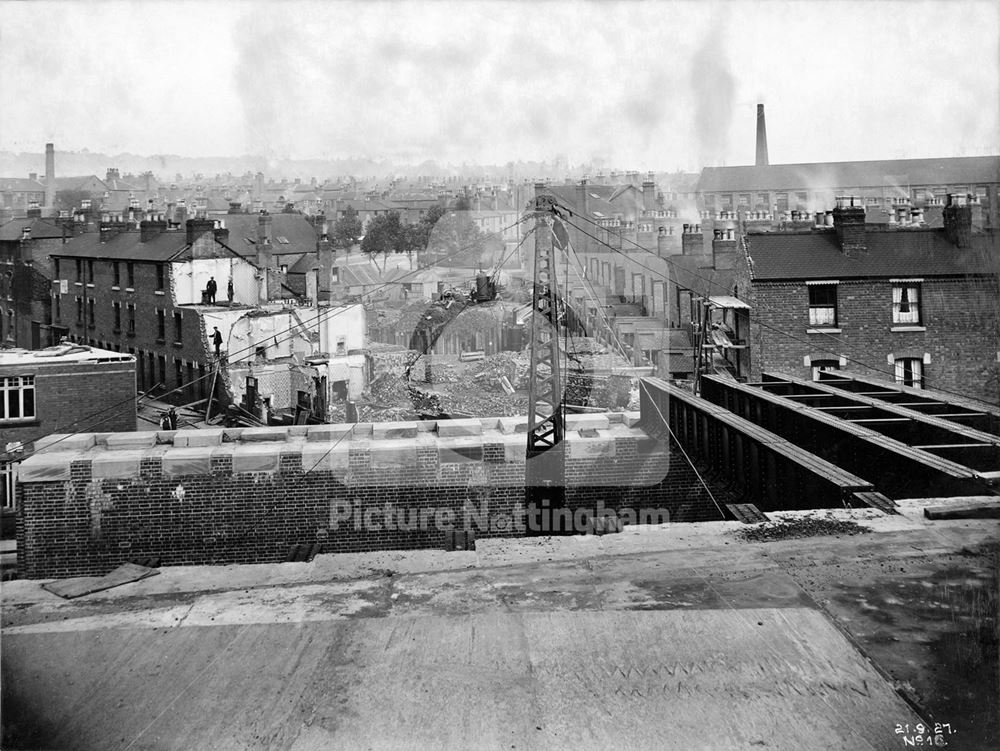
(300, 361)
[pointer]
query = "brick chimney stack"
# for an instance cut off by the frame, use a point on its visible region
(849, 223)
(958, 220)
(111, 225)
(692, 241)
(761, 138)
(724, 249)
(50, 175)
(649, 193)
(200, 232)
(263, 228)
(265, 258)
(181, 213)
(151, 226)
(324, 255)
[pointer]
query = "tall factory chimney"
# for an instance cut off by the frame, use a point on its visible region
(50, 176)
(761, 138)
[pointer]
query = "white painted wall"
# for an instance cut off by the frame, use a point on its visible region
(244, 330)
(189, 278)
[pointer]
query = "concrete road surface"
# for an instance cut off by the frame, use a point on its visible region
(705, 644)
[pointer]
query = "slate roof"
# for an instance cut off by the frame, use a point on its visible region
(363, 276)
(360, 205)
(116, 183)
(597, 203)
(75, 183)
(893, 253)
(20, 185)
(294, 228)
(830, 175)
(39, 229)
(125, 246)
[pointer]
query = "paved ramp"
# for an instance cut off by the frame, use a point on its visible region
(775, 678)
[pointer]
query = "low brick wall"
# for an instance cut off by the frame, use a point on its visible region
(93, 501)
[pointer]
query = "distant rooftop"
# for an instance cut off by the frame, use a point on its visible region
(811, 176)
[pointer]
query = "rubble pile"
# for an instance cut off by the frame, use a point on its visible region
(513, 366)
(586, 345)
(809, 526)
(485, 404)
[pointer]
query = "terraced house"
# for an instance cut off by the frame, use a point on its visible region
(143, 288)
(907, 302)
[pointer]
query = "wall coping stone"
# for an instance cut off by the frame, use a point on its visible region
(200, 438)
(138, 440)
(264, 434)
(466, 427)
(393, 430)
(59, 442)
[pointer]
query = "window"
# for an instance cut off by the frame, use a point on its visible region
(90, 271)
(116, 273)
(178, 327)
(58, 301)
(909, 371)
(161, 324)
(762, 202)
(744, 200)
(79, 270)
(56, 261)
(162, 362)
(906, 303)
(17, 397)
(130, 274)
(131, 318)
(178, 373)
(822, 304)
(7, 485)
(117, 307)
(801, 201)
(820, 366)
(91, 305)
(341, 345)
(159, 276)
(79, 309)
(781, 201)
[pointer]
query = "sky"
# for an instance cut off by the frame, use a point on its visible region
(649, 85)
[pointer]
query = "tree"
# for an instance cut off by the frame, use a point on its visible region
(454, 239)
(385, 235)
(347, 229)
(68, 200)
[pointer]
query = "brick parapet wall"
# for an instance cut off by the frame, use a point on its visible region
(91, 502)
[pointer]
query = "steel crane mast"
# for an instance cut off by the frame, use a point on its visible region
(545, 476)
